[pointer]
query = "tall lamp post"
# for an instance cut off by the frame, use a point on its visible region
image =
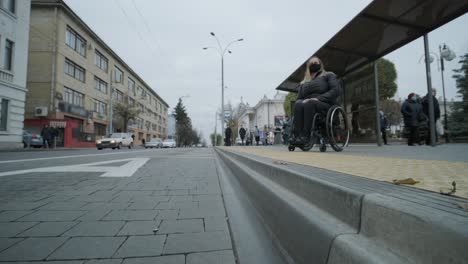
(445, 54)
(222, 51)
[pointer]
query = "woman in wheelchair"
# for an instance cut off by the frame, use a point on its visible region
(317, 93)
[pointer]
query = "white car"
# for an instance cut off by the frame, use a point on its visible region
(115, 141)
(169, 143)
(154, 143)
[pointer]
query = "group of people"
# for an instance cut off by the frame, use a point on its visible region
(265, 136)
(49, 136)
(416, 116)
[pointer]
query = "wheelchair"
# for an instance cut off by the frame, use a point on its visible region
(330, 128)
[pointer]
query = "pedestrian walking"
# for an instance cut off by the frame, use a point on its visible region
(228, 134)
(45, 134)
(257, 135)
(412, 115)
(383, 126)
(425, 107)
(265, 135)
(242, 133)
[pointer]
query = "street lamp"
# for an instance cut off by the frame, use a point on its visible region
(222, 51)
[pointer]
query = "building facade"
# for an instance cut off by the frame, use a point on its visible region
(266, 113)
(72, 75)
(14, 35)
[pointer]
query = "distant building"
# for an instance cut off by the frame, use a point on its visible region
(267, 112)
(14, 38)
(72, 73)
(171, 126)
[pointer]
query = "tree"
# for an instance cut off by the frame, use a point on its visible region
(387, 76)
(184, 131)
(291, 97)
(459, 117)
(126, 113)
(218, 139)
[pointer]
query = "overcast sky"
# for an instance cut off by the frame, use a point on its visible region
(163, 40)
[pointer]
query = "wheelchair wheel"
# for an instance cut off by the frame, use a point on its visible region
(323, 148)
(337, 128)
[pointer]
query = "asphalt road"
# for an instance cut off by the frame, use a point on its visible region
(113, 206)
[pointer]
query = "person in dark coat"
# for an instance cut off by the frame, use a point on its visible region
(227, 138)
(46, 134)
(425, 106)
(257, 135)
(412, 115)
(242, 133)
(383, 126)
(317, 93)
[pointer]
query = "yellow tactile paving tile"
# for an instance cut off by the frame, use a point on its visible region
(432, 174)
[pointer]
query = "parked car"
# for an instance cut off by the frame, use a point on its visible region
(169, 143)
(154, 143)
(35, 140)
(115, 141)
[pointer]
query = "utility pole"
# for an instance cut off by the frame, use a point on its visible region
(110, 104)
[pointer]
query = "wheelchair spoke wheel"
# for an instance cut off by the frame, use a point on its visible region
(337, 128)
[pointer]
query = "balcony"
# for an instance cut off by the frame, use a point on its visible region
(6, 76)
(73, 109)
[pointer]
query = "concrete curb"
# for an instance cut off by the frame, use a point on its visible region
(320, 221)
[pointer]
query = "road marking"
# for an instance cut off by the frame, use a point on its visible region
(126, 170)
(74, 156)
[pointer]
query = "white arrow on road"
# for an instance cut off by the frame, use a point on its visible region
(126, 170)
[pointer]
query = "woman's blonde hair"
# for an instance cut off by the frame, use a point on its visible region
(307, 75)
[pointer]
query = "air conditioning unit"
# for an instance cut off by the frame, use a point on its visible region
(41, 111)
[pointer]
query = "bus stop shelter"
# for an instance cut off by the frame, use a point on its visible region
(380, 28)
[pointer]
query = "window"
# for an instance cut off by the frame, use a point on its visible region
(74, 70)
(101, 61)
(100, 129)
(118, 95)
(150, 100)
(100, 107)
(9, 5)
(131, 86)
(118, 75)
(100, 85)
(131, 102)
(8, 59)
(4, 115)
(73, 97)
(140, 91)
(142, 108)
(75, 41)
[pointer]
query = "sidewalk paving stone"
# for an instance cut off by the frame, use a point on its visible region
(63, 206)
(146, 205)
(94, 215)
(105, 206)
(11, 229)
(107, 228)
(131, 215)
(101, 261)
(48, 229)
(49, 216)
(214, 257)
(174, 259)
(8, 216)
(196, 242)
(134, 228)
(181, 226)
(18, 206)
(7, 242)
(200, 212)
(168, 214)
(32, 249)
(141, 246)
(216, 224)
(88, 248)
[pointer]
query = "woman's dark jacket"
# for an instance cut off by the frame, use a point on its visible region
(325, 88)
(412, 113)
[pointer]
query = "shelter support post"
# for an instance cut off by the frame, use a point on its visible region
(377, 106)
(429, 92)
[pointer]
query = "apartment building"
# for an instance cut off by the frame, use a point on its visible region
(72, 75)
(14, 34)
